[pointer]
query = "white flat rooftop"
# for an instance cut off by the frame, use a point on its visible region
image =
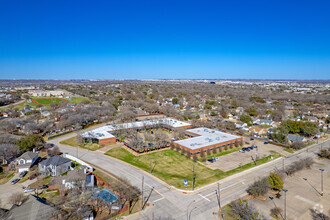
(104, 131)
(206, 137)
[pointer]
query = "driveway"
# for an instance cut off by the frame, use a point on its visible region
(7, 189)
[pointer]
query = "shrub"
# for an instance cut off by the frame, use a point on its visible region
(258, 188)
(275, 181)
(325, 153)
(299, 165)
(244, 210)
(298, 145)
(276, 212)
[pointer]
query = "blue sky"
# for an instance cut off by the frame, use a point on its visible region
(103, 39)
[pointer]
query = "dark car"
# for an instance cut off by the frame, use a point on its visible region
(251, 139)
(33, 176)
(254, 146)
(266, 142)
(247, 149)
(43, 187)
(15, 181)
(22, 174)
(212, 160)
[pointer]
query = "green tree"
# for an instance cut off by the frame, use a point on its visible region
(309, 129)
(275, 181)
(29, 142)
(252, 111)
(213, 114)
(175, 101)
(280, 134)
(246, 119)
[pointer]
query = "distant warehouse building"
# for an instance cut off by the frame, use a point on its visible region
(103, 135)
(205, 138)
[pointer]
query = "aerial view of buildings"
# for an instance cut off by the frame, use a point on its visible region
(185, 110)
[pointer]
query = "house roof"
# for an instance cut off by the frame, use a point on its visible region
(33, 208)
(55, 161)
(72, 176)
(293, 138)
(29, 155)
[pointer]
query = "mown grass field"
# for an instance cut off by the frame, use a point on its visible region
(173, 168)
(44, 102)
(89, 146)
(47, 101)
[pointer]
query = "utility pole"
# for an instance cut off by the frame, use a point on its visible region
(142, 192)
(147, 198)
(193, 176)
(285, 190)
(219, 196)
(321, 181)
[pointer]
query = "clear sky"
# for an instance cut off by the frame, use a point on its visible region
(122, 39)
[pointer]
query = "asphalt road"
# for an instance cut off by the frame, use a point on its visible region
(167, 202)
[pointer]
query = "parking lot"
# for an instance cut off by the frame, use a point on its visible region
(304, 193)
(237, 159)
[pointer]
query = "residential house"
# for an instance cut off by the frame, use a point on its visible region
(54, 166)
(256, 131)
(311, 118)
(26, 161)
(294, 138)
(263, 122)
(74, 178)
(33, 208)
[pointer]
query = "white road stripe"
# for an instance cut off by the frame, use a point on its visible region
(157, 200)
(305, 200)
(204, 197)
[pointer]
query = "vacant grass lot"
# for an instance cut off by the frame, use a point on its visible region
(173, 168)
(89, 146)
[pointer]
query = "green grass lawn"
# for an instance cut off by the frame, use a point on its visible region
(173, 168)
(78, 100)
(89, 146)
(4, 178)
(47, 101)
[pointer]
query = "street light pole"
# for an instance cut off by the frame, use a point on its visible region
(188, 208)
(284, 190)
(191, 212)
(321, 181)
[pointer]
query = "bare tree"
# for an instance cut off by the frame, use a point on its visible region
(16, 198)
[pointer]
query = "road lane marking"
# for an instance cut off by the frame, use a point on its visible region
(157, 200)
(223, 188)
(204, 197)
(305, 200)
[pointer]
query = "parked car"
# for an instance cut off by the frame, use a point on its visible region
(254, 146)
(22, 174)
(28, 190)
(43, 187)
(251, 139)
(247, 142)
(212, 160)
(242, 151)
(266, 142)
(31, 177)
(15, 181)
(247, 149)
